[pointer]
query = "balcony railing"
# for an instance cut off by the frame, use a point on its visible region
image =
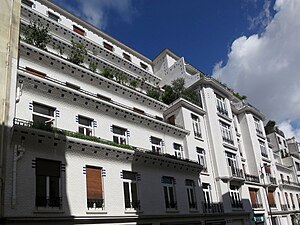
(31, 124)
(284, 207)
(290, 183)
(133, 205)
(228, 140)
(271, 180)
(235, 172)
(257, 205)
(237, 204)
(264, 154)
(252, 178)
(222, 111)
(193, 205)
(95, 203)
(171, 205)
(48, 201)
(272, 205)
(214, 207)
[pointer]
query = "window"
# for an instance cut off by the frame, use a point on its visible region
(43, 115)
(169, 192)
(263, 149)
(78, 30)
(298, 200)
(297, 166)
(254, 198)
(292, 200)
(287, 199)
(53, 16)
(196, 126)
(28, 3)
(190, 185)
(85, 125)
(156, 144)
(47, 183)
(119, 135)
(221, 106)
(267, 169)
(144, 66)
(226, 132)
(108, 46)
(126, 56)
(271, 199)
(201, 158)
(257, 126)
(94, 187)
(233, 166)
(279, 140)
(130, 190)
(235, 197)
(178, 150)
(207, 195)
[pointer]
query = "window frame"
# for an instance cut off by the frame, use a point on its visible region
(226, 132)
(157, 148)
(196, 126)
(131, 182)
(201, 156)
(50, 118)
(191, 194)
(120, 138)
(178, 152)
(96, 203)
(83, 128)
(169, 191)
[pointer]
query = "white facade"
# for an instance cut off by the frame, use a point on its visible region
(91, 149)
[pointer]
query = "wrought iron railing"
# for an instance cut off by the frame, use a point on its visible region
(95, 203)
(257, 205)
(252, 178)
(43, 201)
(214, 207)
(133, 205)
(171, 205)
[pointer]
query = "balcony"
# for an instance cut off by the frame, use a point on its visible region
(237, 204)
(252, 178)
(284, 207)
(214, 207)
(140, 151)
(257, 205)
(95, 203)
(133, 205)
(228, 140)
(222, 111)
(236, 172)
(290, 183)
(43, 201)
(272, 205)
(171, 205)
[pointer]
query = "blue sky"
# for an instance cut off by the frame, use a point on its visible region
(251, 45)
(202, 31)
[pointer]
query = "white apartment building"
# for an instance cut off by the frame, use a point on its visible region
(91, 145)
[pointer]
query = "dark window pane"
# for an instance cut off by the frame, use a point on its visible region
(126, 194)
(43, 109)
(85, 121)
(46, 167)
(166, 197)
(129, 175)
(116, 139)
(172, 199)
(134, 192)
(119, 130)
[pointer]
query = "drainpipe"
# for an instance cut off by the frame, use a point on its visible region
(19, 151)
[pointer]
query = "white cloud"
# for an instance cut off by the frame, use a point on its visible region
(266, 66)
(288, 130)
(263, 18)
(97, 11)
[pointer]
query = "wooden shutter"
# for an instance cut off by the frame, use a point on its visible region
(108, 46)
(78, 30)
(94, 183)
(267, 169)
(253, 196)
(35, 72)
(271, 198)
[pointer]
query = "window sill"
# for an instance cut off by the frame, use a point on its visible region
(96, 212)
(48, 210)
(172, 211)
(199, 139)
(225, 144)
(194, 211)
(132, 211)
(225, 117)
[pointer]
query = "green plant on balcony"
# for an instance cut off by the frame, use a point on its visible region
(93, 66)
(107, 73)
(120, 77)
(36, 34)
(59, 48)
(241, 97)
(133, 84)
(153, 93)
(78, 53)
